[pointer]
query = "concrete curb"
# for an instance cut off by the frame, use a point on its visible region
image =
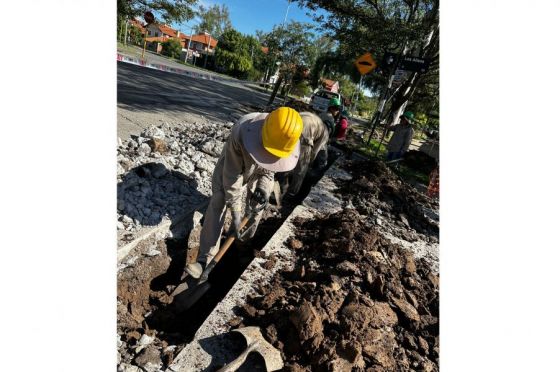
(210, 346)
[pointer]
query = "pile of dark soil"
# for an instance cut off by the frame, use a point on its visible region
(419, 161)
(145, 307)
(375, 190)
(354, 301)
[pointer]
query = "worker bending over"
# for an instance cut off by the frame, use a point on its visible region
(314, 138)
(259, 145)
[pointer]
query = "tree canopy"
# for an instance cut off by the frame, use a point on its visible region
(168, 10)
(233, 53)
(379, 26)
(214, 20)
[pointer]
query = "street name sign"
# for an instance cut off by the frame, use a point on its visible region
(415, 64)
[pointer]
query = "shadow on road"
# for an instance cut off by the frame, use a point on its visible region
(144, 89)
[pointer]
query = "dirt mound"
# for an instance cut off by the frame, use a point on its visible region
(354, 301)
(419, 161)
(376, 190)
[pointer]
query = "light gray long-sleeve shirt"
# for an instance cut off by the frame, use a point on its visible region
(239, 168)
(315, 133)
(401, 139)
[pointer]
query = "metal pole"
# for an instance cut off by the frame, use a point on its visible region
(207, 50)
(144, 49)
(286, 16)
(189, 44)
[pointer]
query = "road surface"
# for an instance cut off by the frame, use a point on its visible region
(151, 57)
(146, 96)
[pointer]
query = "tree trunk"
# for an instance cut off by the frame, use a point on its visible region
(275, 90)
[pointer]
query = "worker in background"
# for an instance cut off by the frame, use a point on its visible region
(314, 138)
(259, 145)
(342, 126)
(331, 116)
(402, 137)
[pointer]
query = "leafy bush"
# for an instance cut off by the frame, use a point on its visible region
(172, 48)
(301, 89)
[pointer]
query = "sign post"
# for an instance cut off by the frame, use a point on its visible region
(149, 18)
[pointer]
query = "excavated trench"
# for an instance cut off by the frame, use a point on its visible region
(151, 332)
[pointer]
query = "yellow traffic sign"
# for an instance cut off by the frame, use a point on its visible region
(365, 63)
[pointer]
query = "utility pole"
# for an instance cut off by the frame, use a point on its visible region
(286, 16)
(189, 44)
(207, 50)
(280, 76)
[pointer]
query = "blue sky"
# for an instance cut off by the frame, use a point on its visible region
(248, 16)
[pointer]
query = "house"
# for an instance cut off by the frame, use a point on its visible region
(203, 43)
(157, 34)
(160, 30)
(138, 24)
(330, 85)
(195, 45)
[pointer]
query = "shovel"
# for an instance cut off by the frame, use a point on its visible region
(204, 276)
(202, 286)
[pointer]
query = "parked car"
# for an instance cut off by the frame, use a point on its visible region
(320, 100)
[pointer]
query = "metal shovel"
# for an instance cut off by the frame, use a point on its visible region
(202, 285)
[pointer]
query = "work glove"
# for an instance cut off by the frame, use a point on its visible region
(235, 223)
(258, 198)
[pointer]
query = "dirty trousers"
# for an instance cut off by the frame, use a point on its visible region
(299, 172)
(214, 220)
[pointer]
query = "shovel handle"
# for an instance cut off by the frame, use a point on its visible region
(229, 240)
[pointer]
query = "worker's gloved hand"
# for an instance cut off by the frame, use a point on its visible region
(235, 223)
(258, 198)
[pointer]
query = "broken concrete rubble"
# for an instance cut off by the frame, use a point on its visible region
(182, 167)
(164, 171)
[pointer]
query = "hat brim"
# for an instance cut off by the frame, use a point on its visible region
(252, 141)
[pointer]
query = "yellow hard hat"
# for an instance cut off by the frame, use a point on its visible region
(281, 131)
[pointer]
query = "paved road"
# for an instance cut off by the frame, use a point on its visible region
(146, 96)
(150, 57)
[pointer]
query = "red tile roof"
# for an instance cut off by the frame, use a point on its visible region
(204, 39)
(166, 30)
(136, 23)
(330, 85)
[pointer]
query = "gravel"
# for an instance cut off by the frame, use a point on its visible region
(166, 171)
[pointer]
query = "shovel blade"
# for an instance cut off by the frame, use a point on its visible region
(186, 299)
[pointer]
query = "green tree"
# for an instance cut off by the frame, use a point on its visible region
(291, 46)
(232, 53)
(214, 20)
(171, 48)
(168, 10)
(135, 35)
(380, 26)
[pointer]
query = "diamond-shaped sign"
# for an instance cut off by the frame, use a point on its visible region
(365, 64)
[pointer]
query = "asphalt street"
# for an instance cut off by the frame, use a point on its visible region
(144, 94)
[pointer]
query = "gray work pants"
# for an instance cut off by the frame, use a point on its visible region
(214, 218)
(299, 172)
